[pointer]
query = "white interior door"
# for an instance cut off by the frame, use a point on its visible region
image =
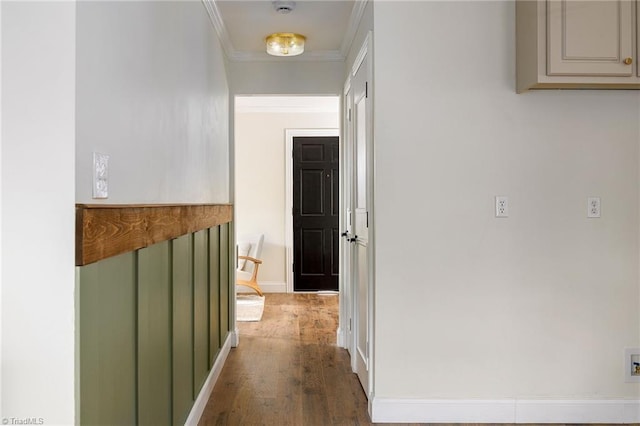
(347, 257)
(361, 255)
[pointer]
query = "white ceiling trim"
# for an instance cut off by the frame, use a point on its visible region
(352, 28)
(218, 24)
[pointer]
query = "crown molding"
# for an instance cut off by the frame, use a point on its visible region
(218, 24)
(354, 20)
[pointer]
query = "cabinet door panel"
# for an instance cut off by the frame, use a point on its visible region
(590, 37)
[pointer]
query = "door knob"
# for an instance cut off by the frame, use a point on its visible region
(628, 61)
(353, 240)
(345, 234)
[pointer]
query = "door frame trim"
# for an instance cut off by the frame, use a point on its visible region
(288, 225)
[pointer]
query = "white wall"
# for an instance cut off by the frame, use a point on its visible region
(260, 180)
(37, 197)
(286, 77)
(152, 94)
(538, 305)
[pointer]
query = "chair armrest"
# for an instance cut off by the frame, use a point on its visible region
(253, 281)
(252, 259)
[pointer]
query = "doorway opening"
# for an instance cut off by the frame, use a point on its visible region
(313, 198)
(267, 129)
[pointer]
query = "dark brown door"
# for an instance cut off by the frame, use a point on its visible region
(315, 213)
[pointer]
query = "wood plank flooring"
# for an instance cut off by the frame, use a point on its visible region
(287, 369)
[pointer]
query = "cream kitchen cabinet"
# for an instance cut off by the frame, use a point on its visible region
(576, 44)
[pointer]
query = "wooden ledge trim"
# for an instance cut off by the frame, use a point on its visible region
(107, 230)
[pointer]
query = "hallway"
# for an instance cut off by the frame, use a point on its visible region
(287, 369)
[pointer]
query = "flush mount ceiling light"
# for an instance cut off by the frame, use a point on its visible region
(285, 44)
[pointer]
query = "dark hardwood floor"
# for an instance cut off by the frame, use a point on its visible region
(288, 370)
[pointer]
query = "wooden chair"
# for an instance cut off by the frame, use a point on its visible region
(249, 251)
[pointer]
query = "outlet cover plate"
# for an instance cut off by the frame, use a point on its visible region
(502, 206)
(100, 175)
(631, 356)
(593, 207)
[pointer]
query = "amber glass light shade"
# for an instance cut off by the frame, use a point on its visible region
(285, 44)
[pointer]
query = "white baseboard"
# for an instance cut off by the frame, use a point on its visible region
(266, 286)
(598, 411)
(236, 338)
(273, 286)
(387, 410)
(340, 338)
(203, 397)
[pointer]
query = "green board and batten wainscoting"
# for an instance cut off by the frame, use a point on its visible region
(151, 323)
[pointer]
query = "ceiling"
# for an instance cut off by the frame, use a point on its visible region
(329, 26)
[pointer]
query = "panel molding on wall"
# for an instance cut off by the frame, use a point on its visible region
(107, 290)
(215, 341)
(225, 276)
(154, 334)
(154, 324)
(387, 410)
(200, 309)
(182, 290)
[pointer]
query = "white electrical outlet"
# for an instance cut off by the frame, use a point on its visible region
(100, 175)
(632, 365)
(593, 207)
(502, 206)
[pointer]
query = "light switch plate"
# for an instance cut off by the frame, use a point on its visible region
(100, 175)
